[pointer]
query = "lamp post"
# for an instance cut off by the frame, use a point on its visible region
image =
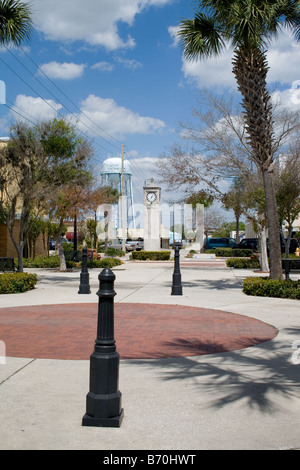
(176, 287)
(103, 402)
(84, 287)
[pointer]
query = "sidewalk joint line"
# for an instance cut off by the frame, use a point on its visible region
(17, 371)
(139, 288)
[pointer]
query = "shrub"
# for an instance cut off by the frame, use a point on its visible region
(104, 263)
(112, 252)
(243, 263)
(13, 283)
(151, 255)
(266, 287)
(67, 246)
(53, 262)
(223, 252)
(41, 262)
(234, 252)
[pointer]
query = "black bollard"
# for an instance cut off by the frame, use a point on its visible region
(103, 402)
(176, 287)
(84, 287)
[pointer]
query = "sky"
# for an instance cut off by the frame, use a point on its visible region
(115, 69)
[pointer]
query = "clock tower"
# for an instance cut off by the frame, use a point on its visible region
(151, 216)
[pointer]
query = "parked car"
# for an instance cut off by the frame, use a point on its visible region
(219, 242)
(130, 245)
(248, 243)
(253, 244)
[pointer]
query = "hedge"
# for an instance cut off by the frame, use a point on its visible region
(41, 262)
(151, 255)
(233, 252)
(114, 252)
(13, 283)
(266, 287)
(243, 263)
(104, 263)
(53, 262)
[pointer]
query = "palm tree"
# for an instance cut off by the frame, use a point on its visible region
(248, 26)
(15, 22)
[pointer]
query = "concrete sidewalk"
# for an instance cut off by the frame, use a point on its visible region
(245, 399)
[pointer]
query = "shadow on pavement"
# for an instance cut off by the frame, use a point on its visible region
(235, 376)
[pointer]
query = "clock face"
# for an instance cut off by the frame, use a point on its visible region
(151, 197)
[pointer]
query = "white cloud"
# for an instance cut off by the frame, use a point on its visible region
(35, 109)
(100, 116)
(284, 60)
(213, 73)
(100, 113)
(289, 98)
(173, 30)
(103, 66)
(93, 21)
(63, 71)
(131, 64)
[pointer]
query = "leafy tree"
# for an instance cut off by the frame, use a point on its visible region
(200, 197)
(20, 177)
(226, 228)
(91, 225)
(248, 25)
(36, 226)
(288, 192)
(34, 169)
(254, 208)
(233, 200)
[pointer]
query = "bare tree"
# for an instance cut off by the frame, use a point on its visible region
(217, 150)
(287, 185)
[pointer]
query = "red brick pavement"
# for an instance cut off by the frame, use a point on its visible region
(141, 331)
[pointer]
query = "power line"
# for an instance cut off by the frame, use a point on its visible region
(20, 112)
(77, 107)
(76, 117)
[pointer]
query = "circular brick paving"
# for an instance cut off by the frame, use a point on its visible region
(141, 331)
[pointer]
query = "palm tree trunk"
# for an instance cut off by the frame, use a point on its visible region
(250, 69)
(263, 251)
(273, 226)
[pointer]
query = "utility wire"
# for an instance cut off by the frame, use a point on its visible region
(77, 119)
(77, 107)
(21, 114)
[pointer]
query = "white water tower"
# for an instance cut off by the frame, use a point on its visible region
(111, 175)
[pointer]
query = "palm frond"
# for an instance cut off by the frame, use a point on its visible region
(201, 37)
(15, 21)
(253, 23)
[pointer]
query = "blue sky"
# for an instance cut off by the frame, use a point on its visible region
(114, 68)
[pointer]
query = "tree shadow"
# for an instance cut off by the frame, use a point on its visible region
(258, 379)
